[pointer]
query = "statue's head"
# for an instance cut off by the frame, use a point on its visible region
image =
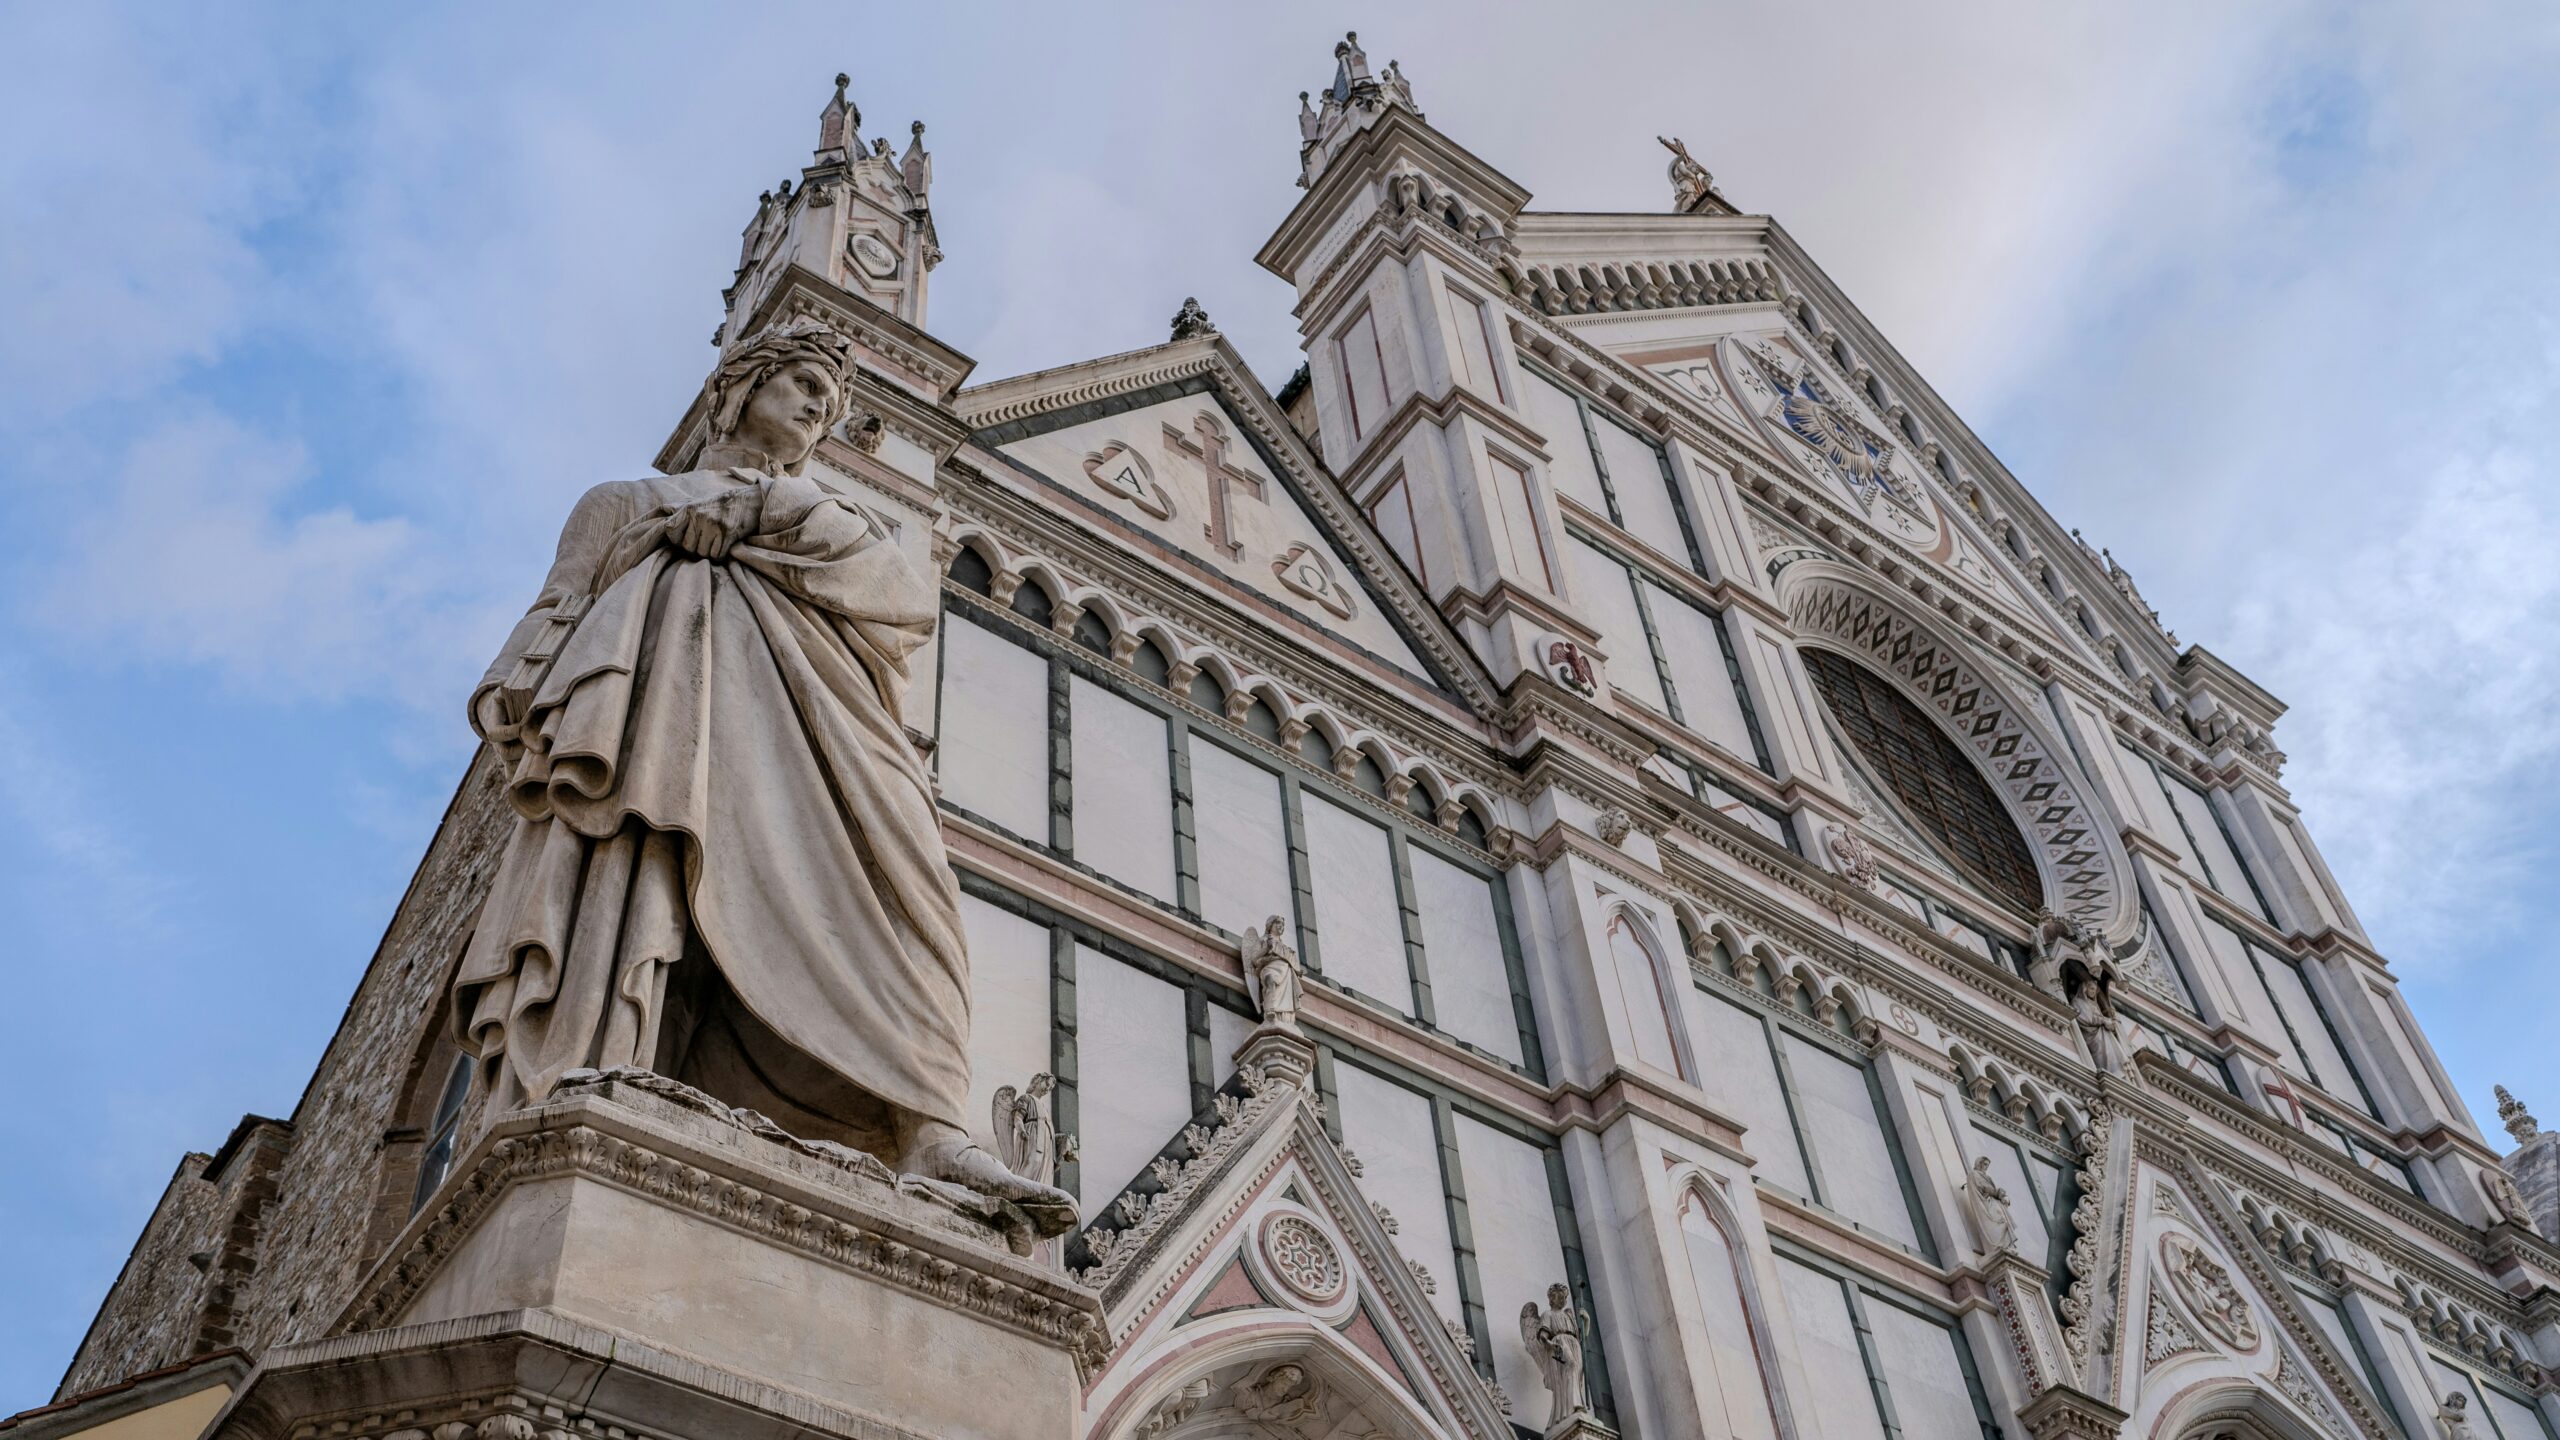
(1042, 1084)
(782, 392)
(1558, 1297)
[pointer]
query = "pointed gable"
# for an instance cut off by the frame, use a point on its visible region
(1177, 453)
(1249, 1251)
(2206, 1312)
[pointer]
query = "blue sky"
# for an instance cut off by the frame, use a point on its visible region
(313, 322)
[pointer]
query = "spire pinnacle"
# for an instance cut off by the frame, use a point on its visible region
(840, 124)
(2519, 1121)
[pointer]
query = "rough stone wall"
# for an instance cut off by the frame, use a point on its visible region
(2536, 1168)
(313, 1249)
(149, 1318)
(286, 1236)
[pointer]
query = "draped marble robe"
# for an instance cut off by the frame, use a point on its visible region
(712, 771)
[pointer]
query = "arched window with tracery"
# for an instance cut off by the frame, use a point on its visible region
(1929, 775)
(1733, 1343)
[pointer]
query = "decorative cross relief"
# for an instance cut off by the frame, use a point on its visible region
(1225, 480)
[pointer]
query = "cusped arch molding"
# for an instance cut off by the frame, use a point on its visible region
(1263, 1373)
(2079, 861)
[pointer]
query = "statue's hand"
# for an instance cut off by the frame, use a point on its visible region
(711, 528)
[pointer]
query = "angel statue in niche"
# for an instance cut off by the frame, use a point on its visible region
(1554, 1336)
(1026, 1138)
(726, 866)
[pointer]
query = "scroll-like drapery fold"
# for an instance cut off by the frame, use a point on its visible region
(721, 742)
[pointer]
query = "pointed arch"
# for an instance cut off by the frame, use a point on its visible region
(1651, 990)
(1742, 1348)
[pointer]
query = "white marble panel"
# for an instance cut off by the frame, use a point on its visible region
(1390, 1128)
(1133, 1071)
(1359, 932)
(1462, 945)
(1847, 1135)
(994, 747)
(1732, 1046)
(1009, 1029)
(1518, 1255)
(1843, 1407)
(1243, 838)
(1123, 788)
(1923, 1374)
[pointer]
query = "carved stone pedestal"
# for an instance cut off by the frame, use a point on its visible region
(1282, 1051)
(1580, 1425)
(634, 1260)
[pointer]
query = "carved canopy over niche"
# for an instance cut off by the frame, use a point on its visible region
(2080, 864)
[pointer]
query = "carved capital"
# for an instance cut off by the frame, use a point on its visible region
(2063, 1413)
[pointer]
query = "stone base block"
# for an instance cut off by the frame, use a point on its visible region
(634, 1219)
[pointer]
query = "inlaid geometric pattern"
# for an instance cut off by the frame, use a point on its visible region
(2007, 752)
(1930, 774)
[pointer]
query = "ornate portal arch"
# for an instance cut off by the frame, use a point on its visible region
(2231, 1409)
(2079, 859)
(1289, 1373)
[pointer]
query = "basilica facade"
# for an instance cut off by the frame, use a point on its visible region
(1589, 863)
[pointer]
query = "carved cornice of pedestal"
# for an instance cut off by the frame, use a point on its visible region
(1580, 1425)
(847, 1214)
(501, 1376)
(2063, 1413)
(2014, 1287)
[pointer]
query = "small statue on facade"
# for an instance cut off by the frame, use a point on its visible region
(2505, 1199)
(2072, 966)
(1986, 1204)
(1284, 1395)
(1690, 182)
(2060, 941)
(1554, 1336)
(1271, 973)
(1191, 320)
(1026, 1138)
(2453, 1418)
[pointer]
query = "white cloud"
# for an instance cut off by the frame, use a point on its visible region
(2422, 679)
(197, 552)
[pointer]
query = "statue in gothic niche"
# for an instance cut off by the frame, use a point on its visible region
(726, 865)
(2072, 965)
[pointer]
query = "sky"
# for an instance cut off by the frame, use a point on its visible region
(314, 320)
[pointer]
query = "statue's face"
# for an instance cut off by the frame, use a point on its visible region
(787, 414)
(1557, 1295)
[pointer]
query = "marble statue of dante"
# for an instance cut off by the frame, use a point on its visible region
(726, 865)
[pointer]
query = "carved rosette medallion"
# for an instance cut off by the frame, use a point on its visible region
(2209, 1292)
(1303, 1259)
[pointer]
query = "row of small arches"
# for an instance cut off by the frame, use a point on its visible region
(1726, 947)
(1992, 1085)
(2455, 1324)
(1039, 592)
